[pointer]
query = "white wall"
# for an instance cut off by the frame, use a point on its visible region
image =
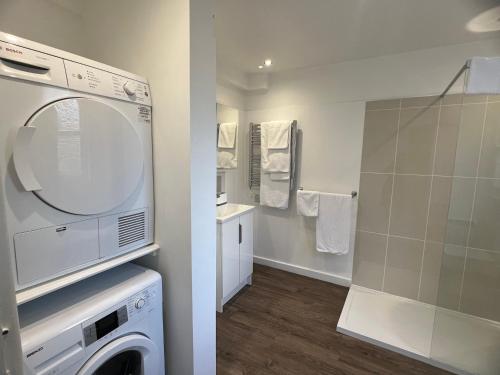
(44, 21)
(328, 103)
(172, 44)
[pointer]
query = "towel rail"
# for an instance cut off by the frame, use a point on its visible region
(254, 156)
(354, 193)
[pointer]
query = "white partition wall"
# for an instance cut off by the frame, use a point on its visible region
(172, 43)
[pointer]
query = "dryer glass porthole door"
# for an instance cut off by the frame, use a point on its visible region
(133, 354)
(79, 155)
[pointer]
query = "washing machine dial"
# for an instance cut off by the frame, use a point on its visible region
(129, 90)
(139, 304)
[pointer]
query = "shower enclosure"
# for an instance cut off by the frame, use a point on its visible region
(466, 330)
(426, 278)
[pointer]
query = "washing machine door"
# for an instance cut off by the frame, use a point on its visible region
(129, 355)
(79, 155)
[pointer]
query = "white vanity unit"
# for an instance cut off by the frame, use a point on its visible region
(234, 250)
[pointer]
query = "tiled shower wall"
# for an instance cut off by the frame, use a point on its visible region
(429, 203)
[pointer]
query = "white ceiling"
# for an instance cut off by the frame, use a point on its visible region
(300, 33)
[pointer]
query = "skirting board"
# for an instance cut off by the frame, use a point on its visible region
(304, 271)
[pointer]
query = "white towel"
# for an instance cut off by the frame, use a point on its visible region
(227, 158)
(275, 146)
(335, 224)
(227, 135)
(274, 193)
(307, 203)
(277, 134)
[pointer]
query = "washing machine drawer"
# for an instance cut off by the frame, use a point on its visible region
(46, 252)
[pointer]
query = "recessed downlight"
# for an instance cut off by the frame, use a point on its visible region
(261, 66)
(268, 62)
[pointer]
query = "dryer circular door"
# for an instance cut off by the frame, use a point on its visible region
(79, 155)
(132, 355)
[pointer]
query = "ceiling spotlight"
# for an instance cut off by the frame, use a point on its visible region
(268, 62)
(261, 66)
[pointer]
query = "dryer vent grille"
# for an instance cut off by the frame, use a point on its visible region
(131, 228)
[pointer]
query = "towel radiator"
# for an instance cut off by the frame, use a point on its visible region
(254, 157)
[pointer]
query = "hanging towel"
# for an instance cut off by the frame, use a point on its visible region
(274, 193)
(307, 203)
(275, 146)
(227, 135)
(227, 158)
(277, 133)
(335, 224)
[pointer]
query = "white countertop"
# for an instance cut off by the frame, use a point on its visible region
(230, 211)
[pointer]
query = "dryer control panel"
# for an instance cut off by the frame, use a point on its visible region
(96, 81)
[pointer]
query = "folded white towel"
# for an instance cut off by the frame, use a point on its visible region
(307, 203)
(274, 193)
(275, 146)
(227, 158)
(227, 135)
(335, 224)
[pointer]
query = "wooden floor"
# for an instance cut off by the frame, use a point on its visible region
(285, 324)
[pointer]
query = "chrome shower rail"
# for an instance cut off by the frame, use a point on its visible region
(455, 79)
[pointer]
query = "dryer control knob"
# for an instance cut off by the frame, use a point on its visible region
(127, 87)
(139, 304)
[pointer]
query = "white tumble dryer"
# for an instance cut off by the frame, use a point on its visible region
(110, 324)
(75, 161)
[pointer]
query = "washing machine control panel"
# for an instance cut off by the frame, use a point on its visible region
(96, 81)
(107, 323)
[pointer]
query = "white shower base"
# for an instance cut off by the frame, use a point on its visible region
(451, 340)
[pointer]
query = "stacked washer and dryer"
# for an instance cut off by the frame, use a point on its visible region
(77, 190)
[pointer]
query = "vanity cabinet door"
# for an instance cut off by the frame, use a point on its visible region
(230, 256)
(246, 246)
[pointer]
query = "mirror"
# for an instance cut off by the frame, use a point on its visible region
(227, 138)
(228, 123)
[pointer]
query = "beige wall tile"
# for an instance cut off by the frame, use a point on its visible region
(494, 98)
(417, 138)
(383, 104)
(409, 206)
(485, 230)
(490, 154)
(374, 202)
(481, 290)
(450, 209)
(450, 276)
(452, 99)
(369, 260)
(379, 141)
(421, 101)
(431, 269)
(475, 99)
(459, 140)
(402, 274)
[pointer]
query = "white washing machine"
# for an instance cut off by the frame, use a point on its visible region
(110, 324)
(75, 161)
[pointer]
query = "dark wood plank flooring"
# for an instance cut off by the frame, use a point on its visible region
(285, 324)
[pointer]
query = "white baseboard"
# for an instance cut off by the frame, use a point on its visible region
(304, 271)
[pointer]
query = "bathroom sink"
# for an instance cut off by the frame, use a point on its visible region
(229, 211)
